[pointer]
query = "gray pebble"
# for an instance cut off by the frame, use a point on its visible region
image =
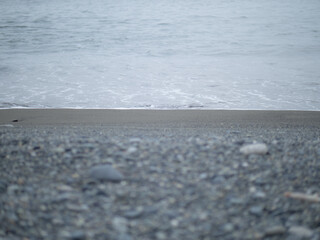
(124, 236)
(301, 231)
(120, 224)
(44, 196)
(259, 195)
(161, 235)
(237, 201)
(275, 230)
(105, 172)
(133, 213)
(3, 186)
(13, 189)
(228, 227)
(256, 210)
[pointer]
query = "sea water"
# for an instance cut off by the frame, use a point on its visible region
(160, 54)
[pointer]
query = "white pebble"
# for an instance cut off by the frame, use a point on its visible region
(257, 148)
(131, 150)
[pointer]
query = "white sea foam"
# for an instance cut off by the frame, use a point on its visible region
(160, 54)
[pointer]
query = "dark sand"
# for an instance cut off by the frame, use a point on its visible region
(190, 118)
(184, 176)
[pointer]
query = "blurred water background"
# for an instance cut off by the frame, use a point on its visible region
(160, 54)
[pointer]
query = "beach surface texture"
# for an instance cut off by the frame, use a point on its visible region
(159, 174)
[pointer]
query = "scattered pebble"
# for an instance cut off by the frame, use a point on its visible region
(181, 186)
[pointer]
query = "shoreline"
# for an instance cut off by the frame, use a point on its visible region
(136, 117)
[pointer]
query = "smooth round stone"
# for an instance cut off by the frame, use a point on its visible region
(257, 148)
(105, 172)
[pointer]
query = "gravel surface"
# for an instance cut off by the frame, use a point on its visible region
(123, 183)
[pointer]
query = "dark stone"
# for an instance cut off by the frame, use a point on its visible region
(133, 214)
(3, 186)
(77, 235)
(105, 172)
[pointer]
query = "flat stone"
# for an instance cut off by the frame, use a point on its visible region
(6, 125)
(133, 213)
(275, 230)
(256, 148)
(301, 231)
(259, 195)
(105, 172)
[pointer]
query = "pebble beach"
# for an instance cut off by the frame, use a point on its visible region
(141, 174)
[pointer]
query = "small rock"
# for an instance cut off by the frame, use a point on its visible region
(228, 227)
(124, 236)
(133, 213)
(131, 150)
(105, 172)
(3, 186)
(237, 201)
(219, 180)
(76, 207)
(134, 139)
(120, 224)
(256, 210)
(59, 149)
(275, 230)
(174, 223)
(64, 188)
(161, 235)
(6, 125)
(13, 189)
(77, 235)
(257, 148)
(259, 195)
(66, 196)
(203, 176)
(301, 231)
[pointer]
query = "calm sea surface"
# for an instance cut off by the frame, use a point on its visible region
(162, 54)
